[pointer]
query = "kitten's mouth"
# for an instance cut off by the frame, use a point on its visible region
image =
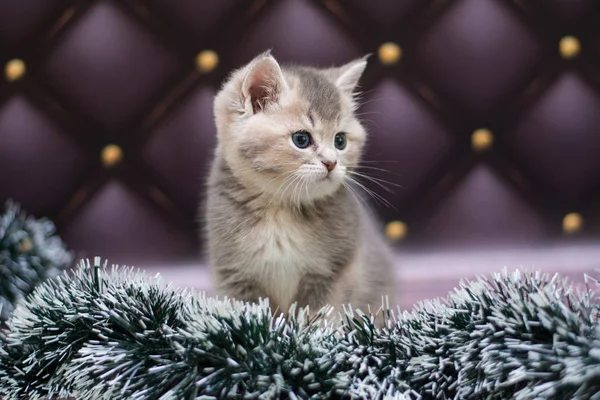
(323, 177)
(330, 178)
(327, 177)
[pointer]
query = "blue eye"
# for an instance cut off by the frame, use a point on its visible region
(301, 139)
(340, 141)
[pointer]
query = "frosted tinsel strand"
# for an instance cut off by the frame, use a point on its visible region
(503, 338)
(30, 252)
(118, 334)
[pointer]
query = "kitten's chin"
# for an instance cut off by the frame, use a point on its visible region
(325, 189)
(310, 188)
(322, 188)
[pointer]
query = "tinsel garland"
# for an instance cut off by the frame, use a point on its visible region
(116, 333)
(30, 252)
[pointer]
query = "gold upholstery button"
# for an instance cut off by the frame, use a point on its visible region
(396, 230)
(14, 70)
(569, 47)
(482, 139)
(572, 223)
(389, 53)
(207, 60)
(111, 155)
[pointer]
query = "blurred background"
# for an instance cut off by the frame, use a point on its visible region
(485, 112)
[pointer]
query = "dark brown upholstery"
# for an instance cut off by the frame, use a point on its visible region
(123, 72)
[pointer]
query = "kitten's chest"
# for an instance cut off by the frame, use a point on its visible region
(279, 240)
(280, 252)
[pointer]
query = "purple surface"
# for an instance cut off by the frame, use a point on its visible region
(297, 31)
(116, 73)
(476, 54)
(118, 225)
(200, 18)
(181, 148)
(559, 140)
(405, 139)
(386, 12)
(22, 19)
(483, 210)
(108, 67)
(569, 12)
(39, 163)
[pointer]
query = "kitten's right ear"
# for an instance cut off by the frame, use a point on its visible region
(263, 84)
(347, 76)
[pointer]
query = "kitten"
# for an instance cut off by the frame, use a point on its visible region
(282, 220)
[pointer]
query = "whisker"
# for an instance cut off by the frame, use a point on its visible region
(375, 169)
(374, 195)
(364, 103)
(357, 196)
(368, 167)
(287, 180)
(307, 193)
(375, 182)
(299, 188)
(368, 113)
(376, 161)
(372, 168)
(281, 175)
(371, 122)
(378, 181)
(295, 183)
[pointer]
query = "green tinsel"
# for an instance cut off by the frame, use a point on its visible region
(118, 334)
(30, 253)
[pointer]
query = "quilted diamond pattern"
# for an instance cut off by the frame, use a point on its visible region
(478, 53)
(409, 144)
(40, 163)
(386, 12)
(118, 222)
(292, 28)
(181, 146)
(569, 12)
(107, 67)
(123, 73)
(20, 21)
(198, 18)
(483, 209)
(562, 127)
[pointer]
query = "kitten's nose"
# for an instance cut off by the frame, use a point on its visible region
(329, 165)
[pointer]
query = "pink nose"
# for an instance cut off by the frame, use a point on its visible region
(329, 165)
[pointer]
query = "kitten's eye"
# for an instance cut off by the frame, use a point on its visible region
(301, 139)
(340, 141)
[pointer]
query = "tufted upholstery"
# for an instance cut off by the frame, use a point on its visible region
(123, 72)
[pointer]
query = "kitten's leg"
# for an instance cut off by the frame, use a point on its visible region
(247, 291)
(242, 290)
(314, 291)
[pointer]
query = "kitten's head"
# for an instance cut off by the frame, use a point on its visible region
(290, 132)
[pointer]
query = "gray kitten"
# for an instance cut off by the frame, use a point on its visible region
(282, 220)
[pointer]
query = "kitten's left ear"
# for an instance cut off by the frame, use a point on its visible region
(347, 76)
(263, 84)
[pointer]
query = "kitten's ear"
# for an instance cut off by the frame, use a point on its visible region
(347, 76)
(263, 84)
